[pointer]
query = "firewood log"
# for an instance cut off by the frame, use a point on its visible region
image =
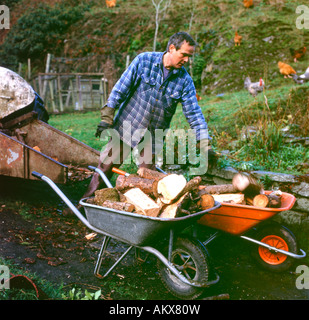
(170, 187)
(150, 174)
(121, 206)
(235, 198)
(142, 202)
(247, 185)
(264, 201)
(206, 201)
(173, 210)
(124, 183)
(218, 189)
(179, 189)
(261, 201)
(105, 194)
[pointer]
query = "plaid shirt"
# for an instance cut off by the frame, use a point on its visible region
(146, 101)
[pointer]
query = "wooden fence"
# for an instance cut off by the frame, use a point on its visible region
(71, 91)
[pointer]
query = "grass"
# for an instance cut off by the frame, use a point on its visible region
(228, 116)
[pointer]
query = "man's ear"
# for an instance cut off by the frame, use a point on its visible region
(172, 48)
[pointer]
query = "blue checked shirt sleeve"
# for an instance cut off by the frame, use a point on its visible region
(193, 112)
(124, 85)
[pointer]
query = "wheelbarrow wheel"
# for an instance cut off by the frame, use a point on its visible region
(281, 238)
(189, 257)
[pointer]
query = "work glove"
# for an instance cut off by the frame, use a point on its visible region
(107, 119)
(204, 147)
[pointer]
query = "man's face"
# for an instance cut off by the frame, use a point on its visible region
(181, 56)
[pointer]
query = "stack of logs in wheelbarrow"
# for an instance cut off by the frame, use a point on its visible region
(158, 194)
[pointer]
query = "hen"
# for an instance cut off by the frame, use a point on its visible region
(198, 97)
(237, 39)
(302, 78)
(286, 69)
(110, 3)
(254, 87)
(248, 3)
(297, 54)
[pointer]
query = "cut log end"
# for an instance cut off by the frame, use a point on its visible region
(247, 185)
(265, 201)
(206, 201)
(260, 201)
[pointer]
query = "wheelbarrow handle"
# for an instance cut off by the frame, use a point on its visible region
(159, 169)
(37, 175)
(65, 199)
(121, 172)
(103, 176)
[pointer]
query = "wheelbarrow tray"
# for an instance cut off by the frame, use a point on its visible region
(134, 228)
(236, 219)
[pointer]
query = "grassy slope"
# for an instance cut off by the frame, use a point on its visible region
(107, 35)
(230, 65)
(213, 25)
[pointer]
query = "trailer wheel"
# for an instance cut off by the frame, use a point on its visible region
(189, 257)
(281, 238)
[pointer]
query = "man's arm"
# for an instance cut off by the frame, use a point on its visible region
(118, 95)
(193, 112)
(196, 120)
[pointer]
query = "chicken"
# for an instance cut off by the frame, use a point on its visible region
(286, 69)
(248, 3)
(254, 87)
(297, 54)
(110, 3)
(237, 39)
(198, 97)
(302, 78)
(305, 76)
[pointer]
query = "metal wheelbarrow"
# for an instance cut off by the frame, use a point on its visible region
(183, 261)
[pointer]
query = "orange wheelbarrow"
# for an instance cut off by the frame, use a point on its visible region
(276, 245)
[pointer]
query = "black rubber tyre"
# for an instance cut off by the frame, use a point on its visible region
(190, 257)
(280, 237)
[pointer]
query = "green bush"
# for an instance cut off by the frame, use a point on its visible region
(40, 31)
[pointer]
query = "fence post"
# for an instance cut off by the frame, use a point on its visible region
(79, 90)
(46, 71)
(59, 93)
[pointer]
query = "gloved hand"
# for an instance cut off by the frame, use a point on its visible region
(204, 147)
(102, 126)
(107, 119)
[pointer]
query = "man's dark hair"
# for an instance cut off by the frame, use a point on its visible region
(178, 39)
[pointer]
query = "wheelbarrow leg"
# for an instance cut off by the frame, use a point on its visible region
(100, 258)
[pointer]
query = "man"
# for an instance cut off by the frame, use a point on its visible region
(146, 95)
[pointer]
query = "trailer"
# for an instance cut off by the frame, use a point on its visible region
(28, 144)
